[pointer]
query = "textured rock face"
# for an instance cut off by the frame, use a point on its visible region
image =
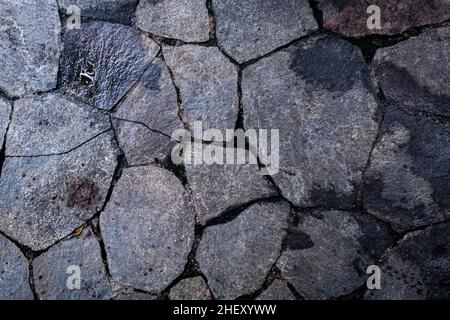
(135, 296)
(350, 17)
(190, 289)
(328, 253)
(147, 228)
(185, 20)
(207, 83)
(43, 199)
(237, 256)
(102, 61)
(14, 283)
(415, 74)
(319, 95)
(55, 273)
(58, 125)
(5, 112)
(119, 11)
(29, 46)
(418, 268)
(247, 29)
(407, 180)
(278, 290)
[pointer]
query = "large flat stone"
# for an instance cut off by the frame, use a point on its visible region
(53, 270)
(327, 255)
(237, 256)
(101, 62)
(407, 181)
(247, 29)
(147, 228)
(278, 290)
(190, 289)
(5, 113)
(319, 95)
(29, 46)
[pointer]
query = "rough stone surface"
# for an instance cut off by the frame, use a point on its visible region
(418, 268)
(278, 290)
(237, 256)
(208, 85)
(43, 199)
(247, 29)
(148, 229)
(120, 11)
(415, 74)
(5, 112)
(319, 95)
(102, 61)
(327, 255)
(350, 17)
(190, 289)
(29, 46)
(52, 270)
(408, 178)
(14, 282)
(58, 125)
(135, 296)
(185, 20)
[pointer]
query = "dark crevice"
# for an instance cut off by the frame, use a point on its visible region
(3, 147)
(212, 21)
(240, 114)
(317, 12)
(142, 124)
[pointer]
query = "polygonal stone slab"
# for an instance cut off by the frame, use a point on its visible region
(278, 290)
(56, 270)
(43, 199)
(29, 46)
(208, 85)
(147, 228)
(418, 268)
(328, 253)
(415, 74)
(14, 274)
(237, 256)
(396, 16)
(102, 61)
(52, 124)
(247, 29)
(190, 289)
(319, 95)
(5, 112)
(408, 182)
(185, 20)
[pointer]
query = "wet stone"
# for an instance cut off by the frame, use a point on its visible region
(208, 85)
(14, 282)
(319, 95)
(56, 270)
(415, 74)
(147, 228)
(278, 290)
(5, 112)
(58, 125)
(43, 199)
(247, 29)
(190, 289)
(186, 20)
(328, 253)
(397, 16)
(102, 61)
(237, 256)
(407, 182)
(418, 268)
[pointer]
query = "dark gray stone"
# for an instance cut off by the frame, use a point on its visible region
(278, 290)
(5, 113)
(247, 29)
(190, 289)
(135, 296)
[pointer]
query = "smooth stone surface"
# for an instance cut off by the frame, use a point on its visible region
(147, 228)
(14, 275)
(54, 276)
(43, 199)
(29, 46)
(52, 124)
(278, 290)
(318, 93)
(407, 182)
(5, 113)
(418, 268)
(415, 73)
(190, 289)
(237, 256)
(247, 29)
(328, 254)
(186, 20)
(350, 17)
(102, 61)
(208, 84)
